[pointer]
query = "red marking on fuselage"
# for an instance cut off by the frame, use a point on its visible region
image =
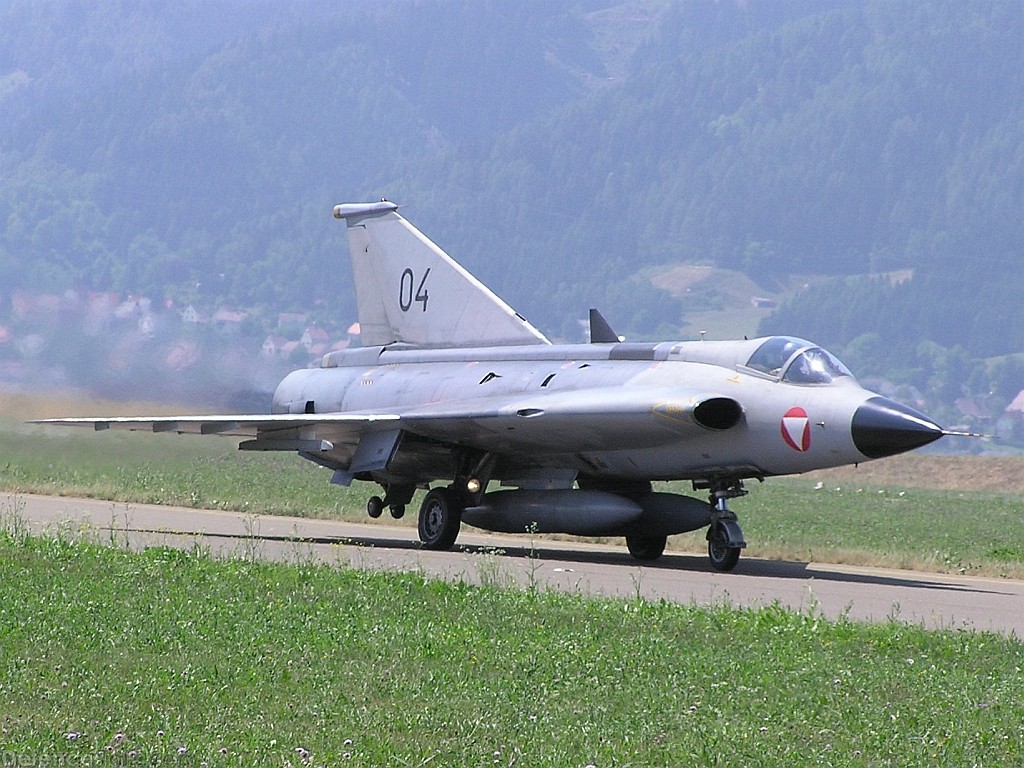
(796, 429)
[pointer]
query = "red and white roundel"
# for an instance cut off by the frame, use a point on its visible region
(796, 429)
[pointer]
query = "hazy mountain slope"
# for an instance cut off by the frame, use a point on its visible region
(209, 173)
(854, 139)
(196, 149)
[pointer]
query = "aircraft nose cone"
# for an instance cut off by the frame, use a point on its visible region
(883, 427)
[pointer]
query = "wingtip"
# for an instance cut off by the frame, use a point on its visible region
(358, 210)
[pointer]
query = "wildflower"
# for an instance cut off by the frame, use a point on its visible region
(182, 750)
(348, 742)
(118, 737)
(223, 750)
(71, 735)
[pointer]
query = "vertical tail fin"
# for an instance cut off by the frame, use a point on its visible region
(409, 290)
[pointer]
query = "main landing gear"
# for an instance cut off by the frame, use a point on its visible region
(441, 510)
(440, 518)
(725, 539)
(440, 513)
(646, 547)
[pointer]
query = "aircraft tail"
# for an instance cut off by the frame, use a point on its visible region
(409, 290)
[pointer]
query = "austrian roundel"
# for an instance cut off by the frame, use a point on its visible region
(796, 429)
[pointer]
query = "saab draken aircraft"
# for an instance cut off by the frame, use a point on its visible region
(455, 393)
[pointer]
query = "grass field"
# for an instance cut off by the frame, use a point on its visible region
(171, 658)
(935, 513)
(164, 657)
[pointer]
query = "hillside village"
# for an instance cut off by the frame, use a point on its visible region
(135, 346)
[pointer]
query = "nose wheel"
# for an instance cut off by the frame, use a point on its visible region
(722, 554)
(725, 538)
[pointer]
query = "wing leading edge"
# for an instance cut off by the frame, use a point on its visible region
(608, 419)
(241, 425)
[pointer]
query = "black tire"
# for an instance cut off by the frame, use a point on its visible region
(374, 506)
(646, 547)
(440, 519)
(722, 556)
(397, 511)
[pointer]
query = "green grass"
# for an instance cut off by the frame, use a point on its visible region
(170, 469)
(172, 658)
(948, 531)
(942, 531)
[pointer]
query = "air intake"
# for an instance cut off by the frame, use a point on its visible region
(718, 413)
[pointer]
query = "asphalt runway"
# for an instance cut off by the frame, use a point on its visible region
(863, 594)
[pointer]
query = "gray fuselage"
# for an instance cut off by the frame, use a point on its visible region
(632, 408)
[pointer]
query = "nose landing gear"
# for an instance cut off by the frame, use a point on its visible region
(725, 538)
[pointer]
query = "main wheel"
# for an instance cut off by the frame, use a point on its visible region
(722, 556)
(440, 519)
(646, 547)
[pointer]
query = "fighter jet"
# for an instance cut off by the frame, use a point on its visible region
(455, 393)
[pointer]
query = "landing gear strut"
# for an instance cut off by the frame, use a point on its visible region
(441, 511)
(725, 539)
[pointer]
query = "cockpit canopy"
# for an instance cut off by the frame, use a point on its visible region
(797, 361)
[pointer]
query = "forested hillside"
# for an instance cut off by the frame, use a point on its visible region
(868, 139)
(144, 151)
(561, 150)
